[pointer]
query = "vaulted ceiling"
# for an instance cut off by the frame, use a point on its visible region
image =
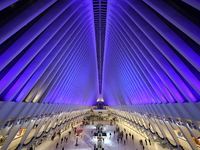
(127, 52)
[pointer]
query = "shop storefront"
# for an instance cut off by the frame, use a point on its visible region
(20, 133)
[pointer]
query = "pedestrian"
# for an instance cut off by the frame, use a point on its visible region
(63, 148)
(66, 139)
(146, 141)
(149, 141)
(95, 147)
(114, 132)
(124, 142)
(143, 147)
(126, 135)
(61, 140)
(132, 137)
(141, 142)
(110, 134)
(57, 145)
(117, 140)
(103, 139)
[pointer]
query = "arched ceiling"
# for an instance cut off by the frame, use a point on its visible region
(127, 52)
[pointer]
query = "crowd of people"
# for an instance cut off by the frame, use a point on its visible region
(62, 140)
(122, 136)
(124, 139)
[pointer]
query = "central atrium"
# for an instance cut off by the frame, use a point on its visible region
(114, 67)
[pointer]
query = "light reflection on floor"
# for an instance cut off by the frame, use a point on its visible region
(87, 142)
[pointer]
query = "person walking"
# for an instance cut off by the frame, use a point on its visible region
(146, 141)
(149, 141)
(63, 148)
(66, 139)
(124, 142)
(141, 142)
(114, 132)
(117, 140)
(57, 145)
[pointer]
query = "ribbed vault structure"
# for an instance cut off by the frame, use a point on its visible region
(69, 52)
(48, 52)
(152, 53)
(57, 57)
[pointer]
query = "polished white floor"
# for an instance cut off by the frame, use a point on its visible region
(87, 142)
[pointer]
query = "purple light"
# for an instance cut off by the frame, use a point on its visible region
(60, 56)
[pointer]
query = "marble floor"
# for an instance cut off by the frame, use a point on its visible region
(87, 141)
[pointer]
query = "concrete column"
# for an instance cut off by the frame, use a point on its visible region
(188, 138)
(11, 136)
(28, 131)
(172, 133)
